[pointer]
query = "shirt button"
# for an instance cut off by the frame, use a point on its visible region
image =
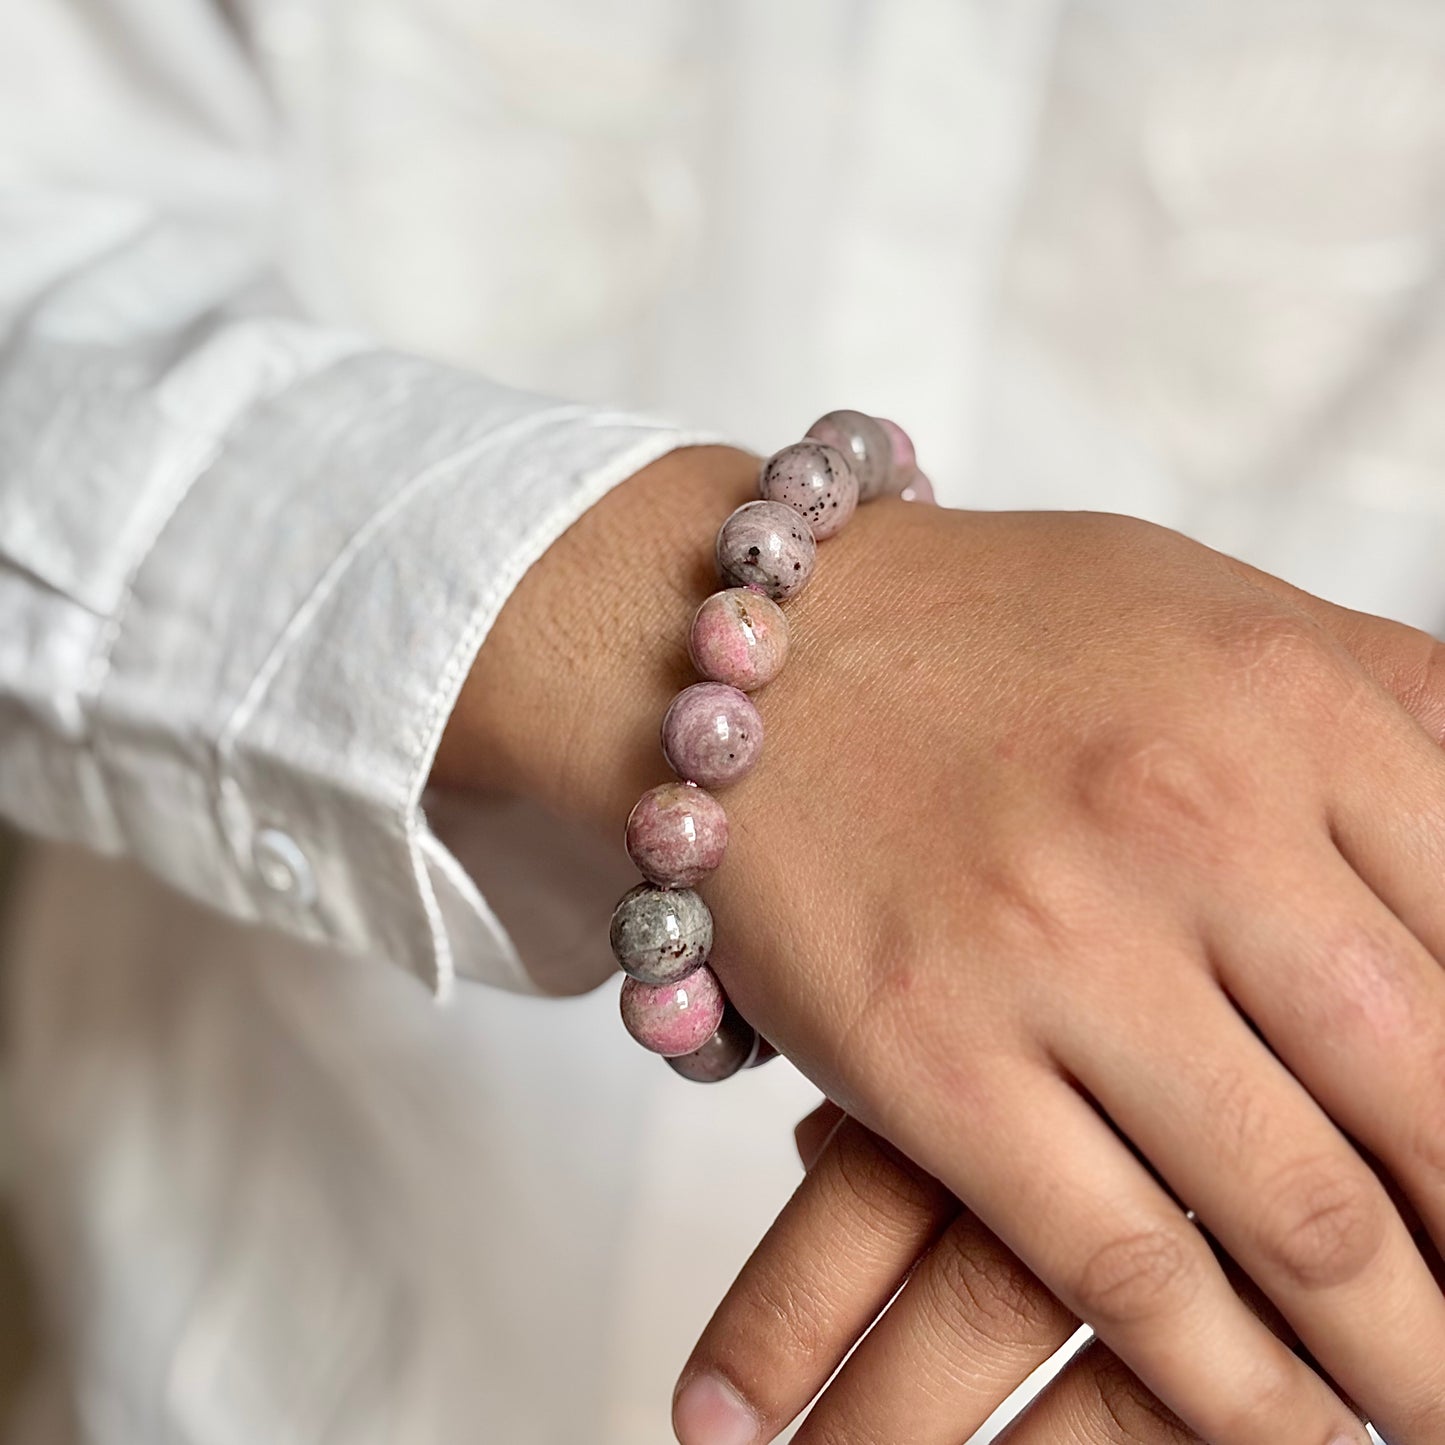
(282, 866)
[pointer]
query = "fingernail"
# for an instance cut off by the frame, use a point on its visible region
(710, 1412)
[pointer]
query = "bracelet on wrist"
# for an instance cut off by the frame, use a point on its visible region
(712, 734)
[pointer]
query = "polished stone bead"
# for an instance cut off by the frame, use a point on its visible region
(712, 735)
(769, 546)
(902, 458)
(673, 1018)
(918, 489)
(660, 935)
(677, 834)
(739, 637)
(815, 480)
(731, 1049)
(862, 439)
(766, 1052)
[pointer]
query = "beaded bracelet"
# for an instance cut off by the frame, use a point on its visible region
(712, 735)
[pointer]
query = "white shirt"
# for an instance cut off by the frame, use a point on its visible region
(1175, 260)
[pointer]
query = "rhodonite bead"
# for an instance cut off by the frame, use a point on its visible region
(862, 439)
(918, 489)
(739, 637)
(677, 834)
(769, 546)
(712, 734)
(673, 1018)
(902, 458)
(660, 935)
(731, 1049)
(816, 481)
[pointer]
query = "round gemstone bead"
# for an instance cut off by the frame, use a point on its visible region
(712, 734)
(862, 439)
(815, 480)
(766, 545)
(739, 637)
(918, 489)
(677, 834)
(730, 1050)
(660, 935)
(902, 458)
(765, 1053)
(673, 1018)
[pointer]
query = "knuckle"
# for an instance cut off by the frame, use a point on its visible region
(1374, 987)
(1322, 1224)
(1138, 1277)
(1153, 780)
(975, 1288)
(1127, 1412)
(1274, 648)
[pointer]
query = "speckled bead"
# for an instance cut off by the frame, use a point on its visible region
(673, 1018)
(660, 935)
(862, 439)
(739, 637)
(731, 1049)
(712, 734)
(677, 834)
(816, 481)
(766, 545)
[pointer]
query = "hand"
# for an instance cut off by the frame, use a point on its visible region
(969, 1326)
(1094, 871)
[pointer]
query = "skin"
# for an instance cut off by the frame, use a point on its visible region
(1149, 912)
(970, 1324)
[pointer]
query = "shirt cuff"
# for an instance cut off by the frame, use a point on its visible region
(307, 618)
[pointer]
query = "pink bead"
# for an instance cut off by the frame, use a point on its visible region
(673, 1019)
(816, 481)
(676, 835)
(739, 637)
(918, 489)
(864, 442)
(903, 459)
(712, 734)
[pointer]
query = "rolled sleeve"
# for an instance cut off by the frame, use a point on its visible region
(294, 641)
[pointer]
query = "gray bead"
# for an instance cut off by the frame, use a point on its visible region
(816, 481)
(767, 545)
(864, 442)
(660, 935)
(730, 1050)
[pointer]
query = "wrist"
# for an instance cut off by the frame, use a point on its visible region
(562, 701)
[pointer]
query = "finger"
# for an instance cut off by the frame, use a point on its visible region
(1387, 817)
(822, 1274)
(1355, 1008)
(1094, 1399)
(966, 1330)
(1241, 1142)
(1097, 1401)
(1069, 1199)
(814, 1131)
